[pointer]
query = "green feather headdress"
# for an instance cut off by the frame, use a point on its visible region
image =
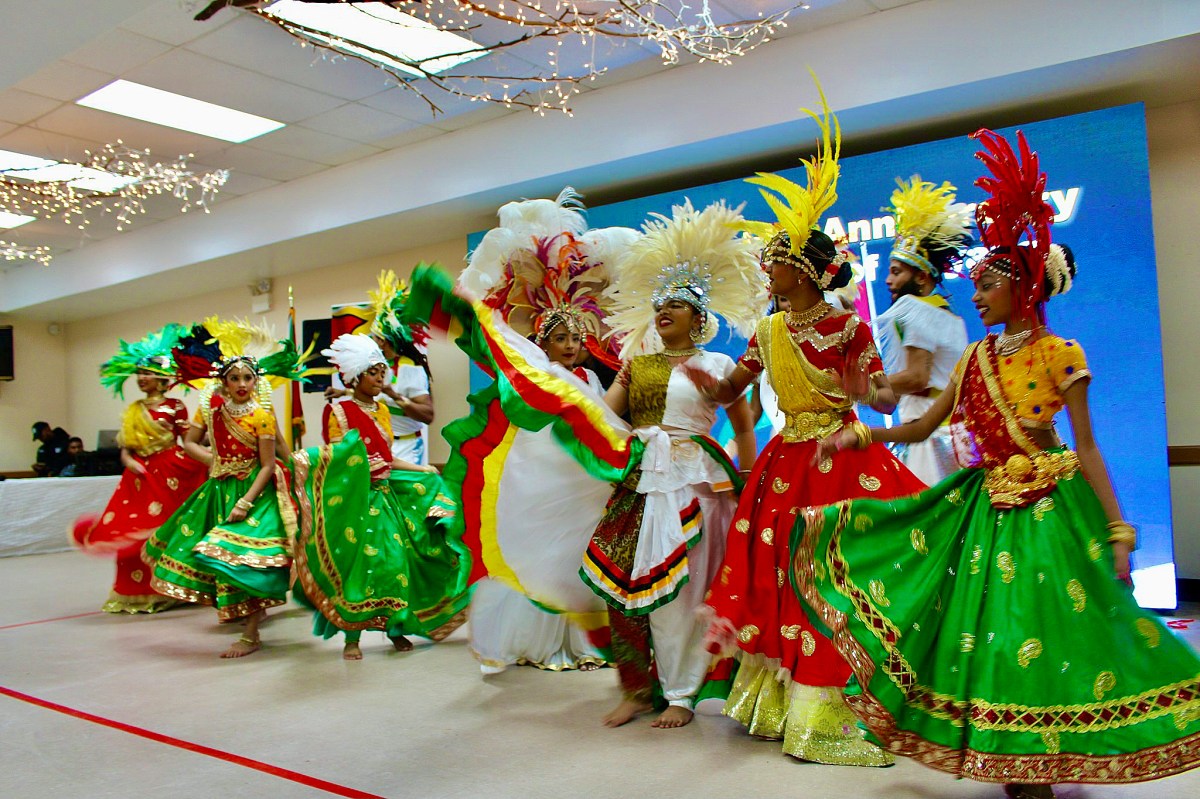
(151, 354)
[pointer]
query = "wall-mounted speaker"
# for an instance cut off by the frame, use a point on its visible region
(6, 352)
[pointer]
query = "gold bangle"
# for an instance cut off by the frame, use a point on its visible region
(862, 433)
(244, 504)
(1122, 532)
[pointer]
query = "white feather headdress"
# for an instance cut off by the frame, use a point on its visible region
(353, 354)
(696, 256)
(539, 269)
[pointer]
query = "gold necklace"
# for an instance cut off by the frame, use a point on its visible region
(1008, 343)
(809, 317)
(670, 353)
(368, 408)
(240, 408)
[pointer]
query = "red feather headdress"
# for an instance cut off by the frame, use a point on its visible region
(1014, 221)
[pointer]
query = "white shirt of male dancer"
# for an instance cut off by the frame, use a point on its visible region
(920, 340)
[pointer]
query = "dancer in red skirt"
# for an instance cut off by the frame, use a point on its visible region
(158, 475)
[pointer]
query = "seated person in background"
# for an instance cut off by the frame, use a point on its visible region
(52, 454)
(74, 450)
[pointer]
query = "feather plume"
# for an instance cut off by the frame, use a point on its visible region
(715, 255)
(540, 269)
(929, 224)
(153, 353)
(1014, 221)
(798, 209)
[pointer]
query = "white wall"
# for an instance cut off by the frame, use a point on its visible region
(37, 393)
(1174, 134)
(91, 341)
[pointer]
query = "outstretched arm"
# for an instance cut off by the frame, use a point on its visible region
(724, 389)
(910, 433)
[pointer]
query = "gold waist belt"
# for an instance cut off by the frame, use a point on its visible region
(223, 468)
(810, 426)
(1021, 479)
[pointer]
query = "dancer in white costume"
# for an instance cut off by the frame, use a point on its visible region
(544, 275)
(920, 338)
(656, 551)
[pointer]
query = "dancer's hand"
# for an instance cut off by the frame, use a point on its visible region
(235, 515)
(705, 381)
(835, 442)
(1121, 562)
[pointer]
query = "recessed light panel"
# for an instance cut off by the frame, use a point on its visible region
(177, 111)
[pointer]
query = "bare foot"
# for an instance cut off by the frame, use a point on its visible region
(242, 647)
(401, 643)
(673, 717)
(351, 651)
(625, 712)
(589, 666)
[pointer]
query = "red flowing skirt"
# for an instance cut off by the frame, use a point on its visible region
(752, 598)
(140, 504)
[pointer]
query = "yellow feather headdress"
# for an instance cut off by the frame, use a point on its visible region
(694, 256)
(798, 209)
(931, 228)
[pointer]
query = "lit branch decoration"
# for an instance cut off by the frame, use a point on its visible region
(674, 26)
(75, 202)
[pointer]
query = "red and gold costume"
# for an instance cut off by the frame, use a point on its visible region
(150, 433)
(781, 651)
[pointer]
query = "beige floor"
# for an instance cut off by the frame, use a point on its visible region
(417, 725)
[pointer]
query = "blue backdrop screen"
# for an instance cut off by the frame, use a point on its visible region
(1099, 185)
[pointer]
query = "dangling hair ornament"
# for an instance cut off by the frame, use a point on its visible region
(931, 228)
(693, 256)
(1014, 221)
(798, 209)
(540, 269)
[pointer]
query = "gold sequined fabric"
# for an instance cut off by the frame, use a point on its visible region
(648, 378)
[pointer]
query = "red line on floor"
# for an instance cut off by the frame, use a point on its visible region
(56, 618)
(266, 768)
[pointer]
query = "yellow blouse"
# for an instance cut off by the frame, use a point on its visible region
(1035, 377)
(382, 417)
(260, 422)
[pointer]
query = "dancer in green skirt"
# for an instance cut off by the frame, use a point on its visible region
(228, 545)
(374, 551)
(981, 617)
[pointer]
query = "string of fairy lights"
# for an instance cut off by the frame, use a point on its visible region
(115, 181)
(538, 31)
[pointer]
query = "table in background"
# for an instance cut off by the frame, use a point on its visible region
(36, 514)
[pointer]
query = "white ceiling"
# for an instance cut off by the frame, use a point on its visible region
(359, 172)
(338, 110)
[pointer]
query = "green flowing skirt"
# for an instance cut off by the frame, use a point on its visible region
(378, 555)
(240, 567)
(996, 644)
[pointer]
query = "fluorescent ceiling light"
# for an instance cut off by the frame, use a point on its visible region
(8, 220)
(44, 170)
(369, 29)
(177, 111)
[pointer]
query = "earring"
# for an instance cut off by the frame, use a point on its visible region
(696, 334)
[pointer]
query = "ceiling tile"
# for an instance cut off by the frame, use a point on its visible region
(117, 52)
(64, 81)
(255, 44)
(310, 145)
(203, 78)
(406, 103)
(171, 21)
(409, 137)
(45, 144)
(163, 142)
(23, 107)
(264, 164)
(5, 127)
(479, 112)
(360, 122)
